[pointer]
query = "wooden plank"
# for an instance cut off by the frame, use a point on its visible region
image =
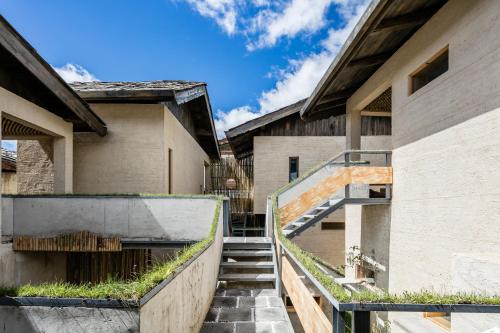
(82, 241)
(325, 189)
(311, 316)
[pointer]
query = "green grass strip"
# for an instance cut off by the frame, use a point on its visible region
(338, 292)
(123, 290)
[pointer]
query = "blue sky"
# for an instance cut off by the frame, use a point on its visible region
(256, 55)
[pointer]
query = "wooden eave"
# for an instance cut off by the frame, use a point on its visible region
(240, 138)
(25, 73)
(384, 27)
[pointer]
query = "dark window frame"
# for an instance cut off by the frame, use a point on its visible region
(296, 160)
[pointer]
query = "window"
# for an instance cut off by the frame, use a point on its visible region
(170, 171)
(293, 169)
(432, 68)
(332, 226)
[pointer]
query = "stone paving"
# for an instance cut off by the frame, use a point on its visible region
(247, 310)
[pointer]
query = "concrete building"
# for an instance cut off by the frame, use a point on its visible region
(439, 61)
(96, 138)
(284, 147)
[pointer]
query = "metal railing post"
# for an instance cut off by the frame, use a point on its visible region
(338, 321)
(360, 322)
(347, 158)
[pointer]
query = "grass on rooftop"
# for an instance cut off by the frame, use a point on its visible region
(339, 293)
(132, 289)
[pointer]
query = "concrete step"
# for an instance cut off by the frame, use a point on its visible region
(249, 253)
(321, 208)
(247, 277)
(248, 264)
(247, 246)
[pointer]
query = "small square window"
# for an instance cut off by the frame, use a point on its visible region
(293, 168)
(432, 68)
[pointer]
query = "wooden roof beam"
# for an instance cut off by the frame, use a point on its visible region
(341, 95)
(373, 60)
(406, 21)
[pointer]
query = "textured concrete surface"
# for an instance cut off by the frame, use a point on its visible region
(181, 306)
(9, 182)
(446, 142)
(162, 218)
(477, 273)
(41, 319)
(35, 166)
(133, 157)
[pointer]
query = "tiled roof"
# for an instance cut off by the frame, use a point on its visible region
(144, 85)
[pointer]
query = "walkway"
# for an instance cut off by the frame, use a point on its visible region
(246, 299)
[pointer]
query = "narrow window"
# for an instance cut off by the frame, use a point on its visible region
(293, 169)
(432, 68)
(170, 171)
(332, 225)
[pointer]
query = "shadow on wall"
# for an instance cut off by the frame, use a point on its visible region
(144, 218)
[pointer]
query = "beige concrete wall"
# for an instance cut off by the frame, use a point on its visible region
(129, 159)
(181, 306)
(18, 268)
(446, 141)
(9, 182)
(187, 157)
(133, 157)
(61, 132)
(325, 244)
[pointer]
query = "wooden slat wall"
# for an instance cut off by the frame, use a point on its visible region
(82, 241)
(325, 189)
(311, 316)
(95, 267)
(241, 171)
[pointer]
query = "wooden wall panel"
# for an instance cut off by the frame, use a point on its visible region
(82, 241)
(331, 184)
(311, 316)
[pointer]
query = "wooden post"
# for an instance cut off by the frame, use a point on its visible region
(361, 322)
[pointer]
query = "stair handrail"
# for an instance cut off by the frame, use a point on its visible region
(347, 162)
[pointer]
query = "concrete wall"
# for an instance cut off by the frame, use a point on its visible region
(128, 217)
(325, 244)
(61, 132)
(446, 142)
(43, 319)
(181, 306)
(18, 268)
(35, 166)
(188, 158)
(129, 159)
(9, 182)
(476, 273)
(133, 157)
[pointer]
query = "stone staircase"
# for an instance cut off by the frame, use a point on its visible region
(246, 299)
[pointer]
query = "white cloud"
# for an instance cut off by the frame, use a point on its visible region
(235, 117)
(302, 75)
(295, 17)
(75, 73)
(224, 12)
